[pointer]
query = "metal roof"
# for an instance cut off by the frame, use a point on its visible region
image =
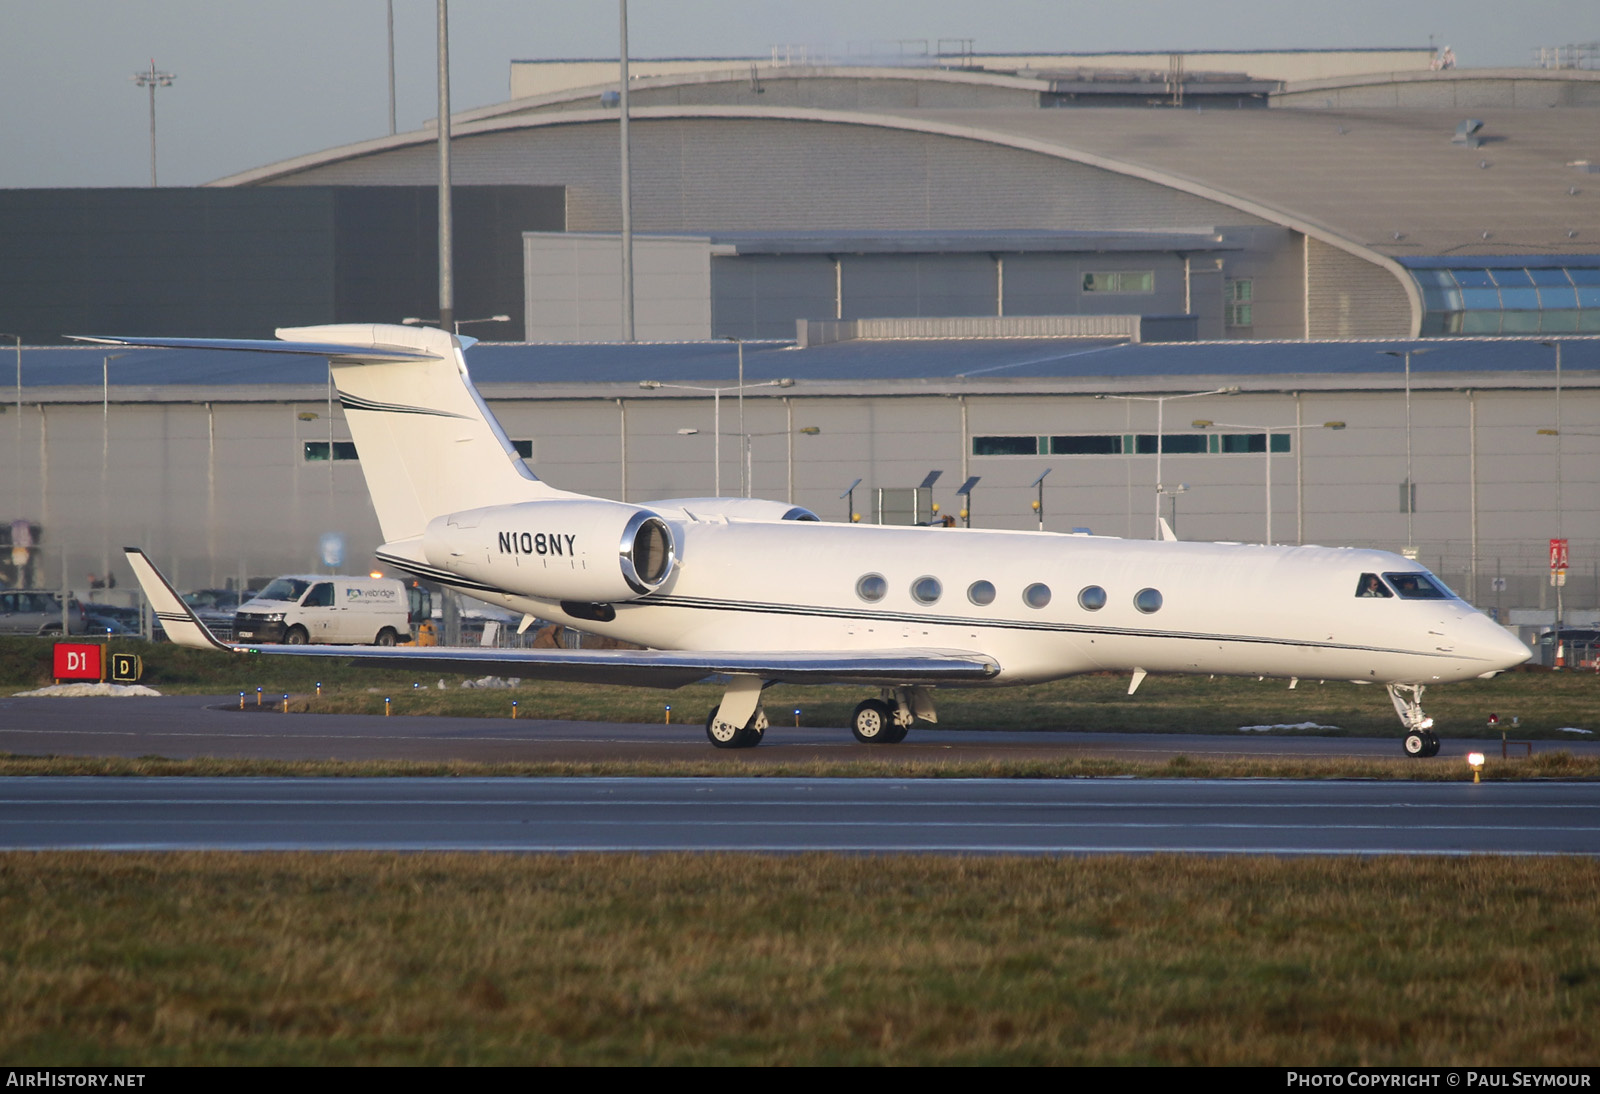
(838, 368)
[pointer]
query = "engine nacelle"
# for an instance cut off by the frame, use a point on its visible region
(738, 508)
(585, 549)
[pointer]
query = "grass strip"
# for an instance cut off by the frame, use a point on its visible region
(1545, 765)
(271, 959)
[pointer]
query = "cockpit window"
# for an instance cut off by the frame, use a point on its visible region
(1371, 585)
(1415, 586)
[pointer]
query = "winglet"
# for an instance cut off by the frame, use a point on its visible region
(179, 621)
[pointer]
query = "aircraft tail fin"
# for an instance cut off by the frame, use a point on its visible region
(428, 443)
(177, 618)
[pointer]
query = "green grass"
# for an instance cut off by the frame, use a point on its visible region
(1543, 702)
(136, 960)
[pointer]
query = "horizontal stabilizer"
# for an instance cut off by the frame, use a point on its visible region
(371, 352)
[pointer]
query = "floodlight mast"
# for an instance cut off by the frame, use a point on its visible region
(153, 80)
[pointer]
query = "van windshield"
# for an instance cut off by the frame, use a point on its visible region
(284, 588)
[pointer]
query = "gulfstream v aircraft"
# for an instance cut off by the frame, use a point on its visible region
(763, 592)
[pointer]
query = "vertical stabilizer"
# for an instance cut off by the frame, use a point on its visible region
(428, 444)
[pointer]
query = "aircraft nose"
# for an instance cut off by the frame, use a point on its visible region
(1499, 646)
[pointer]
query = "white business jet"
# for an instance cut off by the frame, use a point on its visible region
(763, 592)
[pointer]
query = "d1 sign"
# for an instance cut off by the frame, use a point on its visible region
(79, 661)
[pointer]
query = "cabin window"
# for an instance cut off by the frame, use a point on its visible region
(926, 590)
(981, 593)
(1091, 598)
(1147, 600)
(1036, 595)
(871, 588)
(1371, 586)
(1415, 586)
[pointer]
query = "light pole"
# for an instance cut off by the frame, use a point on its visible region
(1161, 404)
(744, 482)
(1410, 487)
(1038, 503)
(16, 467)
(1267, 431)
(805, 430)
(153, 80)
(105, 460)
(716, 413)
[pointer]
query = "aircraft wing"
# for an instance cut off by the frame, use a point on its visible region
(642, 668)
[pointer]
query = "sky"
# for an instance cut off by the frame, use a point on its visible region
(265, 80)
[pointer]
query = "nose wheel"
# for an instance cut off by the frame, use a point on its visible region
(1420, 740)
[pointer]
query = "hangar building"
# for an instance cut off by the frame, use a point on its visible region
(974, 267)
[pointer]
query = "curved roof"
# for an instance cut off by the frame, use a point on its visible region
(1382, 184)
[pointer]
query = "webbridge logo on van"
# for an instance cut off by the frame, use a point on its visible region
(354, 595)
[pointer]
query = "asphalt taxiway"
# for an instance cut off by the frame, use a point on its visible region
(188, 726)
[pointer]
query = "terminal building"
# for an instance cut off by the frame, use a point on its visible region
(990, 267)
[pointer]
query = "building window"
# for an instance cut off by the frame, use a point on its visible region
(1132, 444)
(317, 451)
(1236, 299)
(1120, 281)
(1005, 446)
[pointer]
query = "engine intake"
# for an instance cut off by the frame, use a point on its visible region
(582, 550)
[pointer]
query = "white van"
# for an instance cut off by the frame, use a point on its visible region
(350, 611)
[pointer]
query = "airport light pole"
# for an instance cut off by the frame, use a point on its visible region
(153, 80)
(16, 467)
(1268, 431)
(805, 430)
(1038, 502)
(716, 413)
(1161, 404)
(1410, 487)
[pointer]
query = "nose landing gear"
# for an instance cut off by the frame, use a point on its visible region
(1420, 740)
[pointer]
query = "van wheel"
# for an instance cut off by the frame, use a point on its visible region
(296, 636)
(386, 637)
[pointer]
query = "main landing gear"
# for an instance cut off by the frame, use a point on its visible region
(888, 719)
(739, 722)
(1420, 740)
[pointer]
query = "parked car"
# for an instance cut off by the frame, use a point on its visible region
(1581, 645)
(216, 608)
(38, 611)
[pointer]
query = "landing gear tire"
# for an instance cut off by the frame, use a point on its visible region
(873, 723)
(1416, 743)
(1433, 743)
(724, 736)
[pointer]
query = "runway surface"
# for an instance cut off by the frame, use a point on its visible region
(185, 726)
(979, 816)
